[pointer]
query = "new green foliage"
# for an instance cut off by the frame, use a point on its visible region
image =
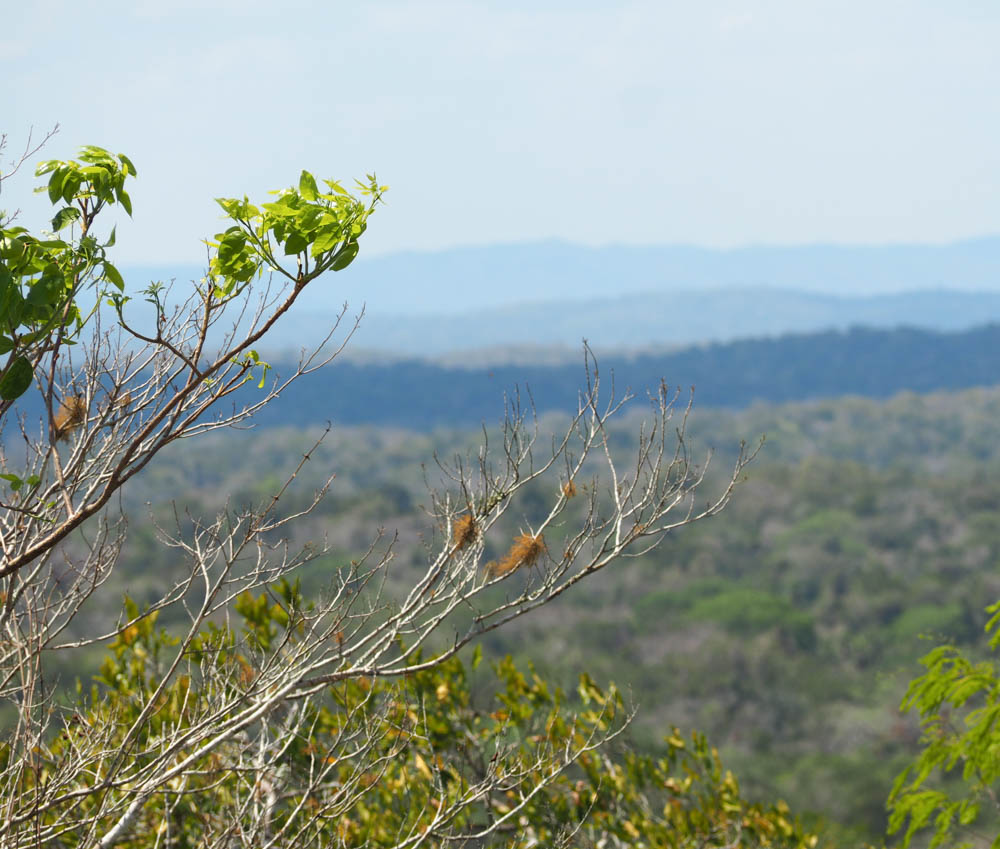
(41, 278)
(320, 229)
(957, 771)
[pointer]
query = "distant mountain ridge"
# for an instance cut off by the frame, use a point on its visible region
(665, 320)
(553, 293)
(466, 279)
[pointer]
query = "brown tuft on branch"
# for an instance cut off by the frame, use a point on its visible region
(524, 551)
(569, 488)
(71, 414)
(464, 531)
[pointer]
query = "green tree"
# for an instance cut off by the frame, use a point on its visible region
(520, 767)
(951, 787)
(216, 714)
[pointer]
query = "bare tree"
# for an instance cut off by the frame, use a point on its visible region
(211, 724)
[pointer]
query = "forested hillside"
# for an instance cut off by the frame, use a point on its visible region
(417, 394)
(422, 395)
(785, 629)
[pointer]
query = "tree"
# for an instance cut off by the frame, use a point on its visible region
(955, 774)
(212, 711)
(518, 766)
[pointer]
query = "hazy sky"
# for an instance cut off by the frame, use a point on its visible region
(712, 123)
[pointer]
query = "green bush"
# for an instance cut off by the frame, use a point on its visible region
(746, 611)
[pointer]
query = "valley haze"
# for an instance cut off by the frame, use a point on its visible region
(544, 294)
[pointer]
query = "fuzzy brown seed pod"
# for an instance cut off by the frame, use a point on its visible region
(569, 488)
(71, 414)
(524, 551)
(463, 532)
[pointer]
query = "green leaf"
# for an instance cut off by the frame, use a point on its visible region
(233, 207)
(47, 289)
(345, 256)
(114, 276)
(968, 812)
(281, 209)
(124, 200)
(309, 217)
(15, 482)
(29, 339)
(12, 249)
(17, 379)
(56, 183)
(307, 186)
(11, 307)
(230, 206)
(129, 167)
(335, 187)
(66, 215)
(326, 241)
(6, 345)
(232, 240)
(97, 156)
(52, 244)
(295, 243)
(71, 184)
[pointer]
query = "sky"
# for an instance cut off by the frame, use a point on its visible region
(709, 123)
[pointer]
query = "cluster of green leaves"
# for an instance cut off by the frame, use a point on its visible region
(320, 229)
(40, 278)
(958, 768)
(435, 741)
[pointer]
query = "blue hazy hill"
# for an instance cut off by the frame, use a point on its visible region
(553, 293)
(471, 278)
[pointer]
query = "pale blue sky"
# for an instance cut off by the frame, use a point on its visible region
(714, 123)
